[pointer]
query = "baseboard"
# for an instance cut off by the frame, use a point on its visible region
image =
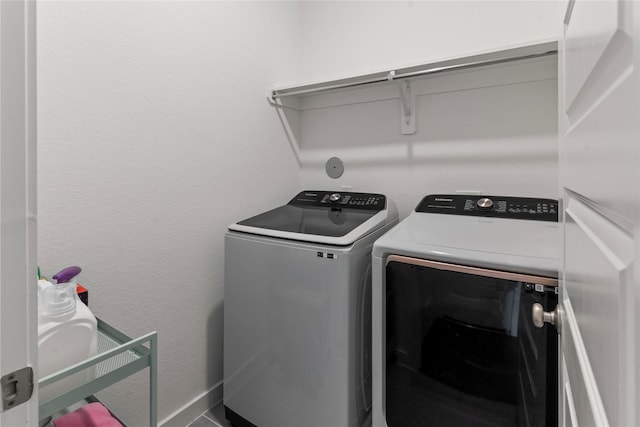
(195, 408)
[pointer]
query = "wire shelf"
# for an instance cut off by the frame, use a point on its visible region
(118, 357)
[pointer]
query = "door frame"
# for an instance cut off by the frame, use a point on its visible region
(18, 201)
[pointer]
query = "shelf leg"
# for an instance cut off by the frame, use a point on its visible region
(153, 383)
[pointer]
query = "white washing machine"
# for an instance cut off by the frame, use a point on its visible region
(297, 311)
(455, 288)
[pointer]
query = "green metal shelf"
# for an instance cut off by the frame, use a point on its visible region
(118, 357)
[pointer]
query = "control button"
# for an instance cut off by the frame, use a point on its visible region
(334, 197)
(484, 203)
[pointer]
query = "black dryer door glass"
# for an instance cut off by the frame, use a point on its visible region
(461, 350)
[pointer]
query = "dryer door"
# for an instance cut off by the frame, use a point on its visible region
(461, 348)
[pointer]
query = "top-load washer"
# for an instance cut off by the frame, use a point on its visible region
(456, 285)
(297, 311)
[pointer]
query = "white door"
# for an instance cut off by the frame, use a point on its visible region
(18, 269)
(600, 183)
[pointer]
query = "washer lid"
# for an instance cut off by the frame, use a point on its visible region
(321, 217)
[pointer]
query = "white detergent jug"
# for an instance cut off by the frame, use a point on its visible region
(67, 333)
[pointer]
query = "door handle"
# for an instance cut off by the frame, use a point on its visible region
(540, 317)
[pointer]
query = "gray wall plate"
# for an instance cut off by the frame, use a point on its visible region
(334, 167)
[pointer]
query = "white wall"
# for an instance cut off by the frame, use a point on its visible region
(341, 38)
(498, 137)
(154, 135)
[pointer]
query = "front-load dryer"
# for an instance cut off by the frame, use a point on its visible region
(297, 311)
(454, 290)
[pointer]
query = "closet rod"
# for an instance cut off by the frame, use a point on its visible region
(546, 49)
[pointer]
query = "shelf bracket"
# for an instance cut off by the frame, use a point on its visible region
(407, 108)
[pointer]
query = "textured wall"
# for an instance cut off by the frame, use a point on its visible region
(154, 135)
(342, 38)
(493, 131)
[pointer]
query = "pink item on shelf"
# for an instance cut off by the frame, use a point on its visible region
(90, 415)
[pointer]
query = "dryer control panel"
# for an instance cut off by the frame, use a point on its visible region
(341, 200)
(491, 206)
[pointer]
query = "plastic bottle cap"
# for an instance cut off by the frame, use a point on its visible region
(59, 301)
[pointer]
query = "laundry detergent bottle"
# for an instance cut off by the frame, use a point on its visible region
(67, 333)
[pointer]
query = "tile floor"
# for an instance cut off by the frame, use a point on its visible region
(214, 417)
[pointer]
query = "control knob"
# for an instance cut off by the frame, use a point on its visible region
(335, 197)
(485, 203)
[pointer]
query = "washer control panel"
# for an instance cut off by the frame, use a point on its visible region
(369, 201)
(491, 206)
